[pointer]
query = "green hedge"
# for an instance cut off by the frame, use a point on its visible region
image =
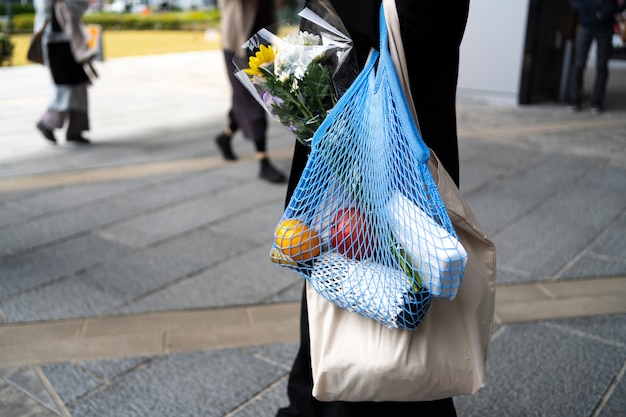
(6, 48)
(17, 8)
(194, 20)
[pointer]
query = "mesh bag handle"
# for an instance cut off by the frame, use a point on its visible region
(396, 50)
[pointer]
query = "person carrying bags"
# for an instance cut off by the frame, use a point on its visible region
(67, 55)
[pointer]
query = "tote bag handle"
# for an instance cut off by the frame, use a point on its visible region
(396, 50)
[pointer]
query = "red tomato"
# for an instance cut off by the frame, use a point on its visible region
(350, 234)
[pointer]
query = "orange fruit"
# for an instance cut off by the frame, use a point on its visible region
(297, 240)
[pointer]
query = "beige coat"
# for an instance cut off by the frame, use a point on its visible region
(64, 98)
(70, 14)
(237, 20)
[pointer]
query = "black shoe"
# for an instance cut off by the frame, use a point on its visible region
(269, 173)
(47, 133)
(78, 140)
(223, 143)
(596, 109)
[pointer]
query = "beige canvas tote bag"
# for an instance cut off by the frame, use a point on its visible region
(354, 358)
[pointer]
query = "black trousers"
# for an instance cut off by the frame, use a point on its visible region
(431, 33)
(245, 113)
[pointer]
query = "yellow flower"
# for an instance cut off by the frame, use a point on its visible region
(263, 57)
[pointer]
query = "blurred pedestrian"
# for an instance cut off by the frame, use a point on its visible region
(431, 33)
(596, 21)
(240, 19)
(67, 102)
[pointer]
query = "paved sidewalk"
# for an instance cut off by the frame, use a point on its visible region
(134, 278)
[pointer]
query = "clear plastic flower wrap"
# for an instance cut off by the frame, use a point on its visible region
(298, 72)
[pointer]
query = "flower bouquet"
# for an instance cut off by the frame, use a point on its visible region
(295, 77)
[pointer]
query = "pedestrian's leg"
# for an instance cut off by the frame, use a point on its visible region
(249, 116)
(233, 126)
(78, 123)
(267, 171)
(224, 139)
(603, 53)
(51, 120)
(582, 45)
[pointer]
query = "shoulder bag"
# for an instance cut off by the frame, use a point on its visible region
(63, 65)
(35, 48)
(354, 358)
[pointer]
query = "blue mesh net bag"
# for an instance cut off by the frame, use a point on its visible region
(366, 225)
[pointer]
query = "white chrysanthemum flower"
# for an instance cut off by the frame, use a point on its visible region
(291, 61)
(295, 54)
(303, 38)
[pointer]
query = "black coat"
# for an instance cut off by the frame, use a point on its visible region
(431, 32)
(597, 15)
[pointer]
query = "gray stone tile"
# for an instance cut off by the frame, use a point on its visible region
(60, 198)
(482, 161)
(193, 184)
(28, 381)
(546, 239)
(29, 270)
(609, 329)
(612, 243)
(593, 265)
(15, 403)
(255, 270)
(281, 354)
(231, 282)
(268, 403)
(158, 266)
(61, 224)
(536, 370)
(63, 159)
(153, 227)
(184, 186)
(13, 214)
(10, 195)
(257, 224)
(187, 215)
(291, 293)
(474, 176)
(46, 229)
(107, 154)
(250, 171)
(208, 384)
(112, 368)
(607, 142)
(170, 221)
(616, 405)
(511, 196)
(249, 195)
(69, 298)
(69, 381)
(500, 157)
(606, 257)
